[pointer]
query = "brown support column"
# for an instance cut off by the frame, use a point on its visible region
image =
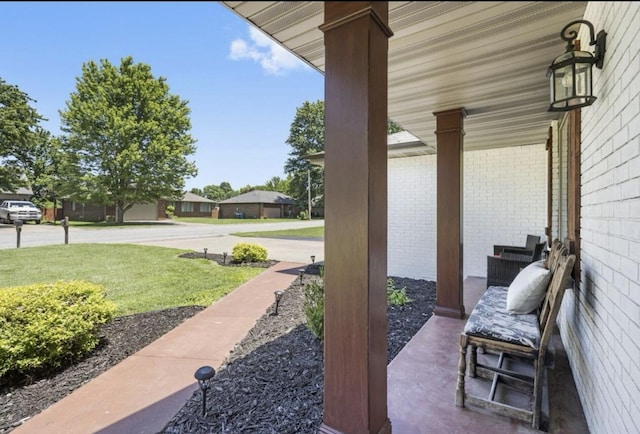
(355, 342)
(449, 133)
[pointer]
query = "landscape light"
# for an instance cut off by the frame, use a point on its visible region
(204, 375)
(278, 293)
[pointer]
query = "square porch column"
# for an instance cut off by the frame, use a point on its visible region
(355, 327)
(449, 134)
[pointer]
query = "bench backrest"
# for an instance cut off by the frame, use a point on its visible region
(562, 265)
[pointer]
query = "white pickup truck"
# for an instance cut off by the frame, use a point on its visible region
(12, 210)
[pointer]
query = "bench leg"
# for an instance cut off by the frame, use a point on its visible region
(473, 361)
(462, 367)
(539, 371)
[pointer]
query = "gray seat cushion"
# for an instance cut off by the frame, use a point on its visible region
(490, 319)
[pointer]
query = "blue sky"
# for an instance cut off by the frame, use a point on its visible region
(243, 90)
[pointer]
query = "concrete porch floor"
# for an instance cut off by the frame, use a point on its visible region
(422, 385)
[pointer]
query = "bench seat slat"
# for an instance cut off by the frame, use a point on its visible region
(490, 320)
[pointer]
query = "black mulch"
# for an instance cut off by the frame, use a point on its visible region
(272, 381)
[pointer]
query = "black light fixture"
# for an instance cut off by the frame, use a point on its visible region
(205, 253)
(224, 258)
(301, 276)
(313, 259)
(204, 375)
(570, 73)
(278, 293)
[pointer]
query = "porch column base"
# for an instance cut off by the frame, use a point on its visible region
(449, 312)
(385, 429)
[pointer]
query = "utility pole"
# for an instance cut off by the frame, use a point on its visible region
(309, 192)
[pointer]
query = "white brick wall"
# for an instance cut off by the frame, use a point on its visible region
(504, 200)
(412, 217)
(600, 322)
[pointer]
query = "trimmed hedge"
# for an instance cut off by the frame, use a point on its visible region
(44, 325)
(249, 252)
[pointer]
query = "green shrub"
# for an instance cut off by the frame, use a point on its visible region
(170, 211)
(248, 252)
(314, 302)
(313, 306)
(396, 296)
(303, 215)
(44, 325)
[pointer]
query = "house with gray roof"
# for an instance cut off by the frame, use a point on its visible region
(258, 204)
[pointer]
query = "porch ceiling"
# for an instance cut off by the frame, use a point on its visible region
(488, 57)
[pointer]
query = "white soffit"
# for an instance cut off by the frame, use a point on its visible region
(487, 57)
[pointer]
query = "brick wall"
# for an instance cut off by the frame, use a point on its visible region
(504, 200)
(600, 321)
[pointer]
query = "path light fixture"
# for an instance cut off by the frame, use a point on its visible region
(18, 224)
(224, 258)
(205, 253)
(569, 75)
(301, 276)
(65, 225)
(278, 293)
(313, 259)
(204, 375)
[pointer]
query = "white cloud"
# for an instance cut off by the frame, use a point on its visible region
(274, 59)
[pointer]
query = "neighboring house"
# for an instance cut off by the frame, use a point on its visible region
(22, 193)
(571, 175)
(258, 204)
(193, 205)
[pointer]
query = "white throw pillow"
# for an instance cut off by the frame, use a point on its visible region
(528, 288)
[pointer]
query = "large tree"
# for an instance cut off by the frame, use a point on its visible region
(129, 134)
(18, 134)
(306, 136)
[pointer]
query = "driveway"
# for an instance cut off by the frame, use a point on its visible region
(189, 236)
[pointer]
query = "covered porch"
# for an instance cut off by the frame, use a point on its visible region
(468, 76)
(422, 382)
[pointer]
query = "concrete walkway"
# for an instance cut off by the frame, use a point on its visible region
(143, 392)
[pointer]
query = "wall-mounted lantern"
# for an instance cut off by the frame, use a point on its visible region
(570, 73)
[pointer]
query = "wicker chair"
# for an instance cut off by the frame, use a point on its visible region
(501, 270)
(532, 240)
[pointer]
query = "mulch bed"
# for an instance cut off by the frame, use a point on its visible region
(271, 382)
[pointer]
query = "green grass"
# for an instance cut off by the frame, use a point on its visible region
(137, 278)
(313, 232)
(213, 221)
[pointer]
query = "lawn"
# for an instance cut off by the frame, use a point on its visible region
(137, 278)
(313, 232)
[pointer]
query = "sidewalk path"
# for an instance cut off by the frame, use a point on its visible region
(143, 392)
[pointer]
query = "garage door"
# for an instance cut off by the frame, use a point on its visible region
(271, 213)
(147, 211)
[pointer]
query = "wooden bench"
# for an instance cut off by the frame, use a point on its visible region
(523, 337)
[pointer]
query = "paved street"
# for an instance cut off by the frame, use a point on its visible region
(192, 236)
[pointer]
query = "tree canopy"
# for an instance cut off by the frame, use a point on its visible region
(129, 134)
(306, 136)
(19, 133)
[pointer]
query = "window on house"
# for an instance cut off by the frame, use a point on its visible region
(205, 207)
(564, 184)
(186, 206)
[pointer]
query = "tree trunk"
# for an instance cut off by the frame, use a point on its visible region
(119, 213)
